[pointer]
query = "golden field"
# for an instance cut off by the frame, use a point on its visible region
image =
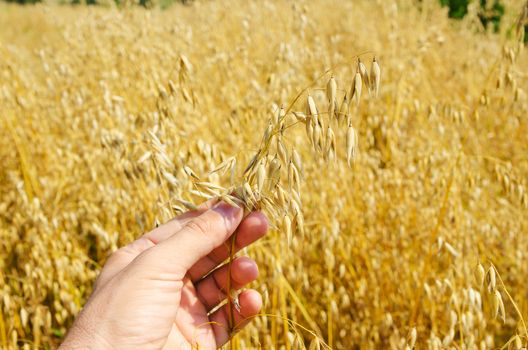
(101, 109)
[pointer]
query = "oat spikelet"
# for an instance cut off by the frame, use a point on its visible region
(267, 133)
(315, 344)
(24, 317)
(300, 116)
(364, 73)
(331, 89)
(411, 338)
(209, 185)
(281, 197)
(222, 167)
(187, 204)
(331, 94)
(281, 151)
(293, 178)
(351, 144)
(356, 93)
(274, 172)
(170, 178)
(297, 161)
(448, 338)
(453, 318)
(498, 305)
(299, 219)
(279, 116)
(204, 195)
(502, 310)
(375, 76)
(330, 142)
(492, 279)
(232, 201)
(248, 196)
(185, 63)
(317, 136)
(480, 274)
(189, 172)
(516, 343)
(261, 177)
(311, 108)
(146, 156)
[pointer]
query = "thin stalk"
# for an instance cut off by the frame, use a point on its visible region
(330, 315)
(230, 302)
(512, 301)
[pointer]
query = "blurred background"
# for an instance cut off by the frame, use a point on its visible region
(421, 243)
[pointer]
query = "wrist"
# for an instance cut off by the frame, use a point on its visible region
(83, 337)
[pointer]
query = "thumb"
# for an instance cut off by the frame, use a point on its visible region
(195, 240)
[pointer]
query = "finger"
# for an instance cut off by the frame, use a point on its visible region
(252, 228)
(174, 225)
(250, 304)
(123, 256)
(195, 240)
(213, 289)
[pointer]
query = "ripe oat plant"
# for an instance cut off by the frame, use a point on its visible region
(386, 143)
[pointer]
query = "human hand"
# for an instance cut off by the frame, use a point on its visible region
(158, 291)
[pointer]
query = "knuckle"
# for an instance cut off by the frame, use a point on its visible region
(116, 256)
(141, 244)
(200, 225)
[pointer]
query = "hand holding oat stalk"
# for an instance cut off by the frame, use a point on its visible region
(271, 180)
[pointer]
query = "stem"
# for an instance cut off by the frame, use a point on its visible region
(230, 302)
(330, 325)
(507, 344)
(512, 301)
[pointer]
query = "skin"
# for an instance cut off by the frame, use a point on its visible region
(161, 291)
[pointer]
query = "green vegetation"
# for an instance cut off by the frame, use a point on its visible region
(457, 8)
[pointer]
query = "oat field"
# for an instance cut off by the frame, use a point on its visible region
(399, 222)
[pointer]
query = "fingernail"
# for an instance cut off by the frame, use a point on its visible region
(246, 263)
(227, 211)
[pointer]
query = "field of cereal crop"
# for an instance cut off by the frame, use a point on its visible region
(104, 112)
